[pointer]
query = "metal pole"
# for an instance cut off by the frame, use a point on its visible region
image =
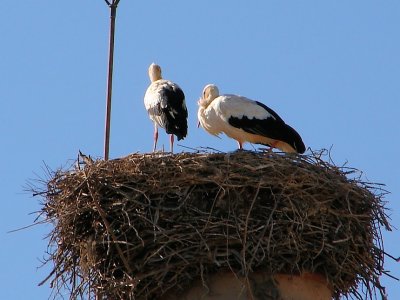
(113, 6)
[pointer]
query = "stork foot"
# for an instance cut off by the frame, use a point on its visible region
(155, 138)
(269, 148)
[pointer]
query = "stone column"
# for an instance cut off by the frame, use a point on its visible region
(258, 286)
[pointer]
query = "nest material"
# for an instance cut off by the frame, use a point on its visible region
(136, 227)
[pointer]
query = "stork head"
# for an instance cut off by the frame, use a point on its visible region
(154, 72)
(210, 92)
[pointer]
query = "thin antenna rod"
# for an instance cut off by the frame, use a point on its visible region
(113, 7)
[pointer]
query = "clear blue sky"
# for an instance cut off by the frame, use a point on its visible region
(331, 69)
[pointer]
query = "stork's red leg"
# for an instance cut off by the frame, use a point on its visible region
(272, 146)
(240, 145)
(155, 137)
(171, 141)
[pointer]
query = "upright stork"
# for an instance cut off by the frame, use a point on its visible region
(165, 104)
(246, 120)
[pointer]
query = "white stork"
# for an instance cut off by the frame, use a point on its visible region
(165, 104)
(246, 120)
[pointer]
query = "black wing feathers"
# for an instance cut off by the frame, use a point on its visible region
(269, 110)
(275, 129)
(172, 111)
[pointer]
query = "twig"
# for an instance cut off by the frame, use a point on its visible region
(109, 230)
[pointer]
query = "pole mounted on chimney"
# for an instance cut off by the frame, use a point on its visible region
(112, 4)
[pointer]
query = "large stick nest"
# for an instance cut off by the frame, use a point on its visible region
(136, 227)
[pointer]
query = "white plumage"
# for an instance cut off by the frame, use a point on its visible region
(246, 120)
(165, 104)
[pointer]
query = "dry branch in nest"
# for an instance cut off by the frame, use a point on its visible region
(136, 227)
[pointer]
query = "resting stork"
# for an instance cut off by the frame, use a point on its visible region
(246, 120)
(165, 104)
